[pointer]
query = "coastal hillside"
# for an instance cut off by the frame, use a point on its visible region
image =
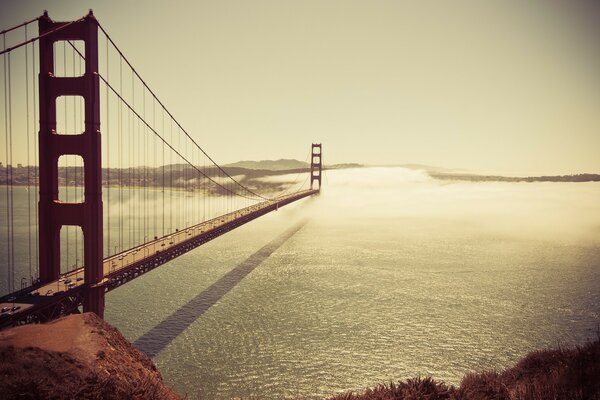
(76, 357)
(270, 165)
(557, 374)
(497, 178)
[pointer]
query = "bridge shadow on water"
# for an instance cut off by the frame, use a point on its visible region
(159, 337)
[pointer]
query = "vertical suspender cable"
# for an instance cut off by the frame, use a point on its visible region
(182, 189)
(80, 184)
(66, 157)
(120, 109)
(28, 159)
(6, 149)
(145, 151)
(131, 162)
(139, 173)
(163, 175)
(199, 188)
(154, 170)
(10, 162)
(107, 133)
(171, 205)
(130, 177)
(76, 194)
(203, 189)
(182, 177)
(140, 224)
(186, 181)
(35, 151)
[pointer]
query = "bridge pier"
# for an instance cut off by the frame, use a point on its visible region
(54, 214)
(94, 299)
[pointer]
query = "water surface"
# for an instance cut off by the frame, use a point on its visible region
(394, 275)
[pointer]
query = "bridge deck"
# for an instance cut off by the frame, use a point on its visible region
(65, 295)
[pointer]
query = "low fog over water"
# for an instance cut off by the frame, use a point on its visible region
(566, 212)
(394, 275)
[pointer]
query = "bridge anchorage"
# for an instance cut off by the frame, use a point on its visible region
(221, 203)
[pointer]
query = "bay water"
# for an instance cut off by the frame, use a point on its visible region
(388, 274)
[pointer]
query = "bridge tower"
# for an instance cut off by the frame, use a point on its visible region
(53, 214)
(315, 165)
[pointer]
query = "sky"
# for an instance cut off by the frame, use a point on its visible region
(506, 86)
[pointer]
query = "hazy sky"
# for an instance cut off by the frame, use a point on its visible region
(507, 87)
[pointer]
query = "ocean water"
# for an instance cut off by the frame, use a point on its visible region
(387, 275)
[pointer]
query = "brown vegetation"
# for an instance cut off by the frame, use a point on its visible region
(560, 374)
(76, 357)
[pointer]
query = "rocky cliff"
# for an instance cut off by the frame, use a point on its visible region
(78, 357)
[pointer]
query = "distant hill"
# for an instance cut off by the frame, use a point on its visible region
(285, 165)
(269, 165)
(428, 168)
(495, 178)
(173, 175)
(343, 166)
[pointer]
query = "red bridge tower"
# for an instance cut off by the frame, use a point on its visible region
(315, 165)
(54, 214)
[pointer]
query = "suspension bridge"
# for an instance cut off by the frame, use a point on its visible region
(108, 184)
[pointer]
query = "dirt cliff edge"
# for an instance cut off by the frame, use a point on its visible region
(77, 356)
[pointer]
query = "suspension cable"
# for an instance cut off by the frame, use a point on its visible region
(167, 143)
(297, 178)
(174, 119)
(58, 28)
(180, 127)
(18, 26)
(146, 87)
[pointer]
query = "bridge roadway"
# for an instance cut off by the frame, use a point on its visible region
(42, 302)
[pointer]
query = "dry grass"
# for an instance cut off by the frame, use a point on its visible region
(558, 374)
(412, 389)
(33, 373)
(90, 360)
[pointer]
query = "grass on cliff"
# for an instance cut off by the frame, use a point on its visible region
(558, 374)
(32, 373)
(100, 364)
